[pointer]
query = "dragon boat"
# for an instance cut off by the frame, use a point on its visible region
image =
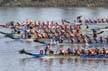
(48, 41)
(63, 56)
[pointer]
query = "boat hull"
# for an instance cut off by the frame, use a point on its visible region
(94, 57)
(76, 57)
(64, 56)
(70, 56)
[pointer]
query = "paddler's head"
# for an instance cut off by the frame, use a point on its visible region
(31, 27)
(18, 23)
(87, 26)
(48, 44)
(94, 30)
(18, 32)
(29, 36)
(12, 23)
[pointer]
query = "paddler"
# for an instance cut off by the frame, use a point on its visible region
(107, 39)
(72, 39)
(29, 39)
(89, 39)
(104, 51)
(97, 51)
(106, 20)
(87, 26)
(94, 35)
(60, 39)
(64, 52)
(78, 52)
(77, 38)
(18, 34)
(83, 52)
(78, 29)
(11, 24)
(101, 39)
(92, 51)
(41, 52)
(48, 48)
(79, 19)
(69, 51)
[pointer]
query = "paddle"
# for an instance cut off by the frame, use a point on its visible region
(42, 42)
(106, 27)
(71, 23)
(100, 32)
(100, 28)
(103, 30)
(67, 21)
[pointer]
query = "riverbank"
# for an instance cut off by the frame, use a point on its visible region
(54, 3)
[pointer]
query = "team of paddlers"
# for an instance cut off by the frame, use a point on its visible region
(91, 21)
(76, 51)
(56, 31)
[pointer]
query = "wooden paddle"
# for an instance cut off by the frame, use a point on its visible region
(97, 33)
(67, 21)
(100, 28)
(106, 27)
(100, 32)
(42, 42)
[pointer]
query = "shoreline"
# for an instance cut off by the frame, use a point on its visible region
(48, 7)
(55, 3)
(52, 6)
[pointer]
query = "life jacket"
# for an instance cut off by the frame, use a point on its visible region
(64, 52)
(92, 52)
(18, 35)
(77, 30)
(72, 40)
(106, 51)
(39, 35)
(41, 51)
(78, 52)
(48, 47)
(29, 40)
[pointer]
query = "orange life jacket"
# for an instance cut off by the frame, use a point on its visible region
(92, 51)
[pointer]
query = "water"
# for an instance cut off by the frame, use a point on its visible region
(11, 60)
(49, 14)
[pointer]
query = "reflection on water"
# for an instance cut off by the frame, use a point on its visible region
(65, 60)
(67, 63)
